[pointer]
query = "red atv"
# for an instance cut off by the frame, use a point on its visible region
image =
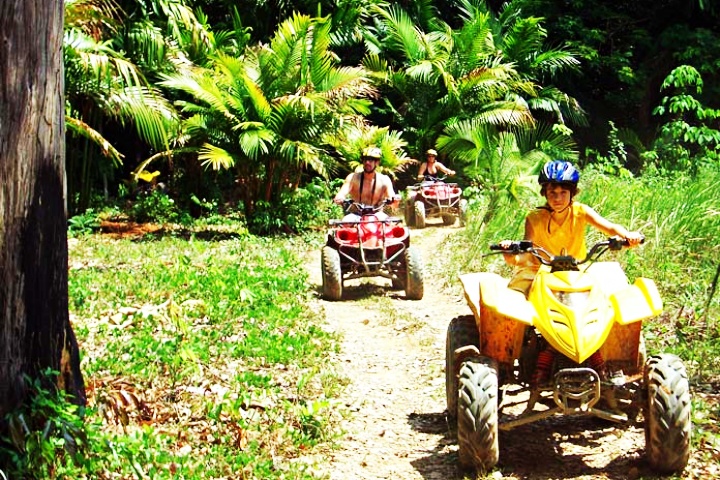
(370, 247)
(434, 198)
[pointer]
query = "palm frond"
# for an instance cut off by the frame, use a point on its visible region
(81, 128)
(150, 113)
(214, 157)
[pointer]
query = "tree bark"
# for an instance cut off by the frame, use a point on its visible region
(35, 330)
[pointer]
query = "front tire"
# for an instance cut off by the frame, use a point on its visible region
(478, 445)
(331, 274)
(410, 209)
(419, 214)
(414, 284)
(462, 332)
(667, 413)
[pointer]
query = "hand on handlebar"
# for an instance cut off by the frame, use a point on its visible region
(512, 246)
(634, 239)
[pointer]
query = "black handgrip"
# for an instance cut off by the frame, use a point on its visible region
(515, 247)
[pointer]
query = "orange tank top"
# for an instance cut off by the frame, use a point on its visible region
(566, 238)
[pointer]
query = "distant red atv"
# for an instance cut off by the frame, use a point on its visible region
(370, 247)
(434, 198)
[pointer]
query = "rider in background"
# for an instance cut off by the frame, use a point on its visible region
(368, 187)
(430, 168)
(559, 225)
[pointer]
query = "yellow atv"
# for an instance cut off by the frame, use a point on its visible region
(573, 347)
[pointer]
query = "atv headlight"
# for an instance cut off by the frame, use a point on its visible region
(574, 300)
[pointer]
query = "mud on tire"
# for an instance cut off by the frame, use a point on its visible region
(462, 331)
(478, 445)
(410, 210)
(667, 413)
(331, 274)
(414, 283)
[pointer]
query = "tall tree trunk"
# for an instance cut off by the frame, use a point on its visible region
(35, 331)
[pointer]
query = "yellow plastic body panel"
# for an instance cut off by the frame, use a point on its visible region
(637, 302)
(606, 317)
(501, 314)
(577, 329)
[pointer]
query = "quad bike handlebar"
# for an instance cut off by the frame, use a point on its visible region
(363, 208)
(563, 262)
(429, 180)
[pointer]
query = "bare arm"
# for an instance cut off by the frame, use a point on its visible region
(610, 228)
(389, 191)
(421, 170)
(345, 189)
(444, 169)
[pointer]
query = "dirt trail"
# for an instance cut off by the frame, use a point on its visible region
(393, 353)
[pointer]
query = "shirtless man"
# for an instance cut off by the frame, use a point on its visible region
(368, 187)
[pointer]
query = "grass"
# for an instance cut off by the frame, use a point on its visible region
(201, 359)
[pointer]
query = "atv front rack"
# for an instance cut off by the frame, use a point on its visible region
(575, 391)
(371, 259)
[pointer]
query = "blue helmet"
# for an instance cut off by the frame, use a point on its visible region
(559, 171)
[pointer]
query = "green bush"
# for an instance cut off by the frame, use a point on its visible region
(307, 208)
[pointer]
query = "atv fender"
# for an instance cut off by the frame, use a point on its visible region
(501, 314)
(637, 302)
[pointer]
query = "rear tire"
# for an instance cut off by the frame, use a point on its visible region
(331, 274)
(419, 214)
(448, 219)
(414, 284)
(462, 331)
(478, 445)
(667, 413)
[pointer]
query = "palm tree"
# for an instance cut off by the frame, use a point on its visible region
(275, 112)
(523, 42)
(489, 69)
(105, 91)
(503, 162)
(448, 74)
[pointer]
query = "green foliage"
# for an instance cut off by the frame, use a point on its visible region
(47, 437)
(272, 114)
(83, 224)
(615, 161)
(155, 206)
(306, 208)
(501, 161)
(687, 139)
